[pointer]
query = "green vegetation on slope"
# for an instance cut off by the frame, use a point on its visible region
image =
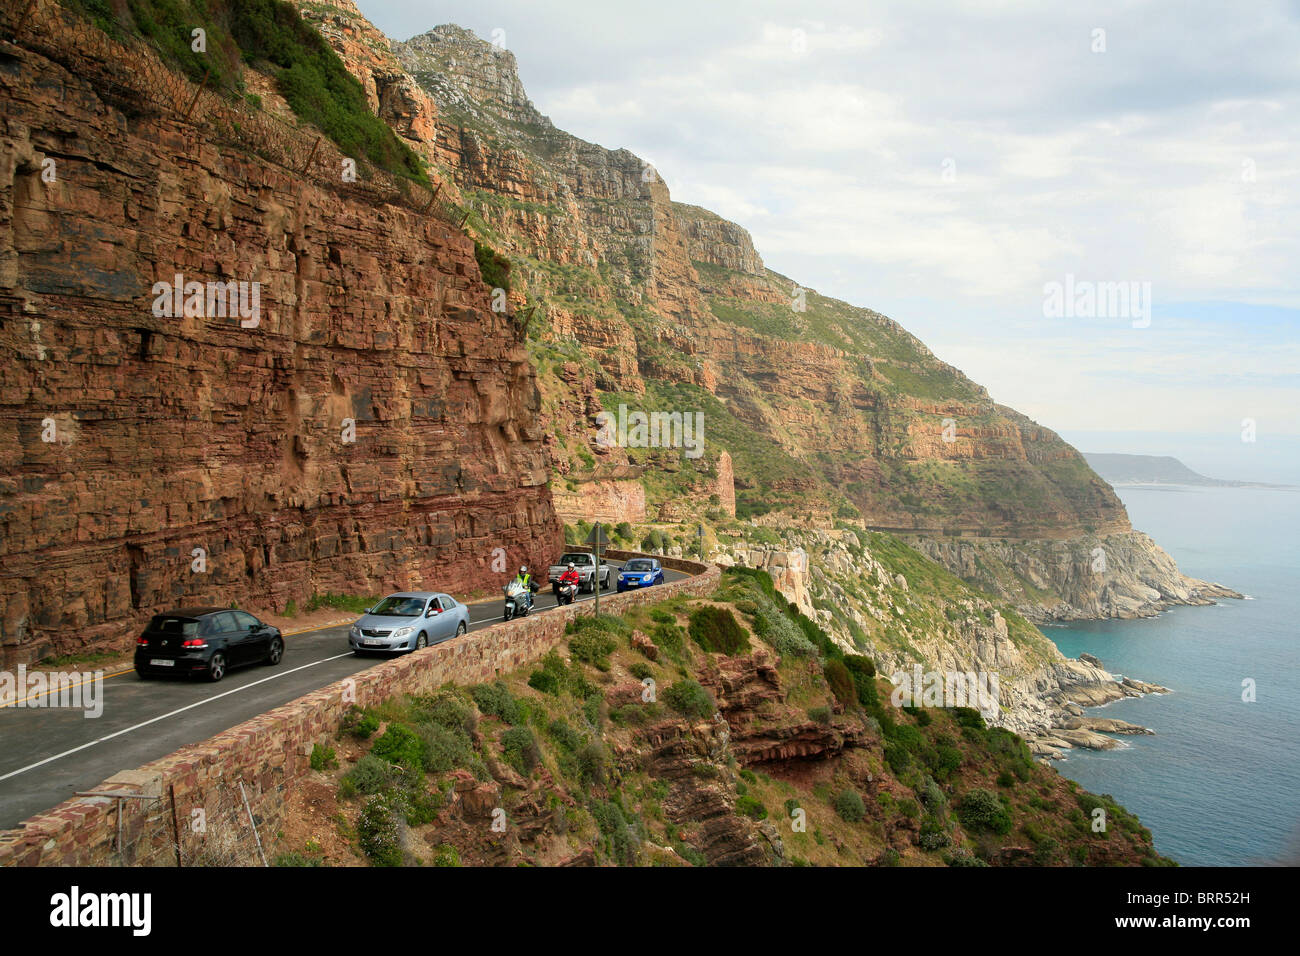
(267, 35)
(576, 757)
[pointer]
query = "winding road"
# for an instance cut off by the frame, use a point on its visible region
(48, 754)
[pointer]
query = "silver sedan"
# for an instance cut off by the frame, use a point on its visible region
(407, 621)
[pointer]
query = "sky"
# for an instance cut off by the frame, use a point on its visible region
(959, 166)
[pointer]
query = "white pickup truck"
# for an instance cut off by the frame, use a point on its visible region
(585, 564)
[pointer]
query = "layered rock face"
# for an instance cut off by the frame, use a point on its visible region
(1124, 575)
(367, 423)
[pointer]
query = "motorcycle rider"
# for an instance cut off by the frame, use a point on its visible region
(525, 580)
(571, 576)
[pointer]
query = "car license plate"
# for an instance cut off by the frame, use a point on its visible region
(371, 642)
(161, 662)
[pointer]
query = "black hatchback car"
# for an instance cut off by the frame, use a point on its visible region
(207, 640)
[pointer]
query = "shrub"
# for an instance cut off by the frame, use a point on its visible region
(593, 762)
(690, 699)
(849, 805)
(565, 735)
(898, 758)
(980, 810)
(551, 677)
(359, 723)
(447, 709)
(860, 666)
(751, 807)
(641, 670)
(444, 748)
(669, 637)
(715, 630)
(774, 626)
(369, 775)
(841, 682)
(495, 699)
(821, 715)
(446, 855)
(323, 757)
(968, 717)
(400, 745)
(380, 831)
(593, 647)
(617, 839)
(293, 858)
(520, 749)
(492, 266)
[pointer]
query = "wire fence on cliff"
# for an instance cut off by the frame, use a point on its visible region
(150, 87)
(220, 830)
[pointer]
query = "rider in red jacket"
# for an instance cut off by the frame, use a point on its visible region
(571, 576)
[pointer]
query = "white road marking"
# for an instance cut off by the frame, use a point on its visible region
(181, 710)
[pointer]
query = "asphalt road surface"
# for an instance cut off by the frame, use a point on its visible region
(47, 754)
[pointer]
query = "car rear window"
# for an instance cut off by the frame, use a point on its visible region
(580, 558)
(165, 624)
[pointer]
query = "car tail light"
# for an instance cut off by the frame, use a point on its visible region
(194, 642)
(142, 641)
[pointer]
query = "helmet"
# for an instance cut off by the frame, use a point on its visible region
(523, 569)
(570, 565)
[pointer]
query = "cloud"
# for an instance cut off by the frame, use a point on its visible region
(940, 163)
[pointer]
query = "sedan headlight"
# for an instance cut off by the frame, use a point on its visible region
(403, 632)
(356, 631)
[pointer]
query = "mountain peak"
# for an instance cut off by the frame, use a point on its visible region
(469, 72)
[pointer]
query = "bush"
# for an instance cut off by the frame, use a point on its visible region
(980, 810)
(565, 735)
(359, 723)
(841, 681)
(519, 747)
(849, 805)
(592, 647)
(690, 699)
(380, 831)
(593, 762)
(323, 757)
(444, 748)
(446, 855)
(860, 667)
(369, 775)
(495, 699)
(669, 637)
(617, 839)
(821, 715)
(492, 266)
(641, 670)
(447, 709)
(293, 858)
(400, 745)
(751, 807)
(774, 626)
(715, 630)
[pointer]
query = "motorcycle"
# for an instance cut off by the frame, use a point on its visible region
(564, 593)
(519, 599)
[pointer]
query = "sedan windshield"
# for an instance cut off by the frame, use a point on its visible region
(638, 566)
(398, 606)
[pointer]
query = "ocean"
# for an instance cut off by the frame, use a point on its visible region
(1219, 783)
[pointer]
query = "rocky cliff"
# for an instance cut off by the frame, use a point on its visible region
(825, 410)
(366, 422)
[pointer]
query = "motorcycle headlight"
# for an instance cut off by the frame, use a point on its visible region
(403, 632)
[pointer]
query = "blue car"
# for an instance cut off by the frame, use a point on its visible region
(640, 573)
